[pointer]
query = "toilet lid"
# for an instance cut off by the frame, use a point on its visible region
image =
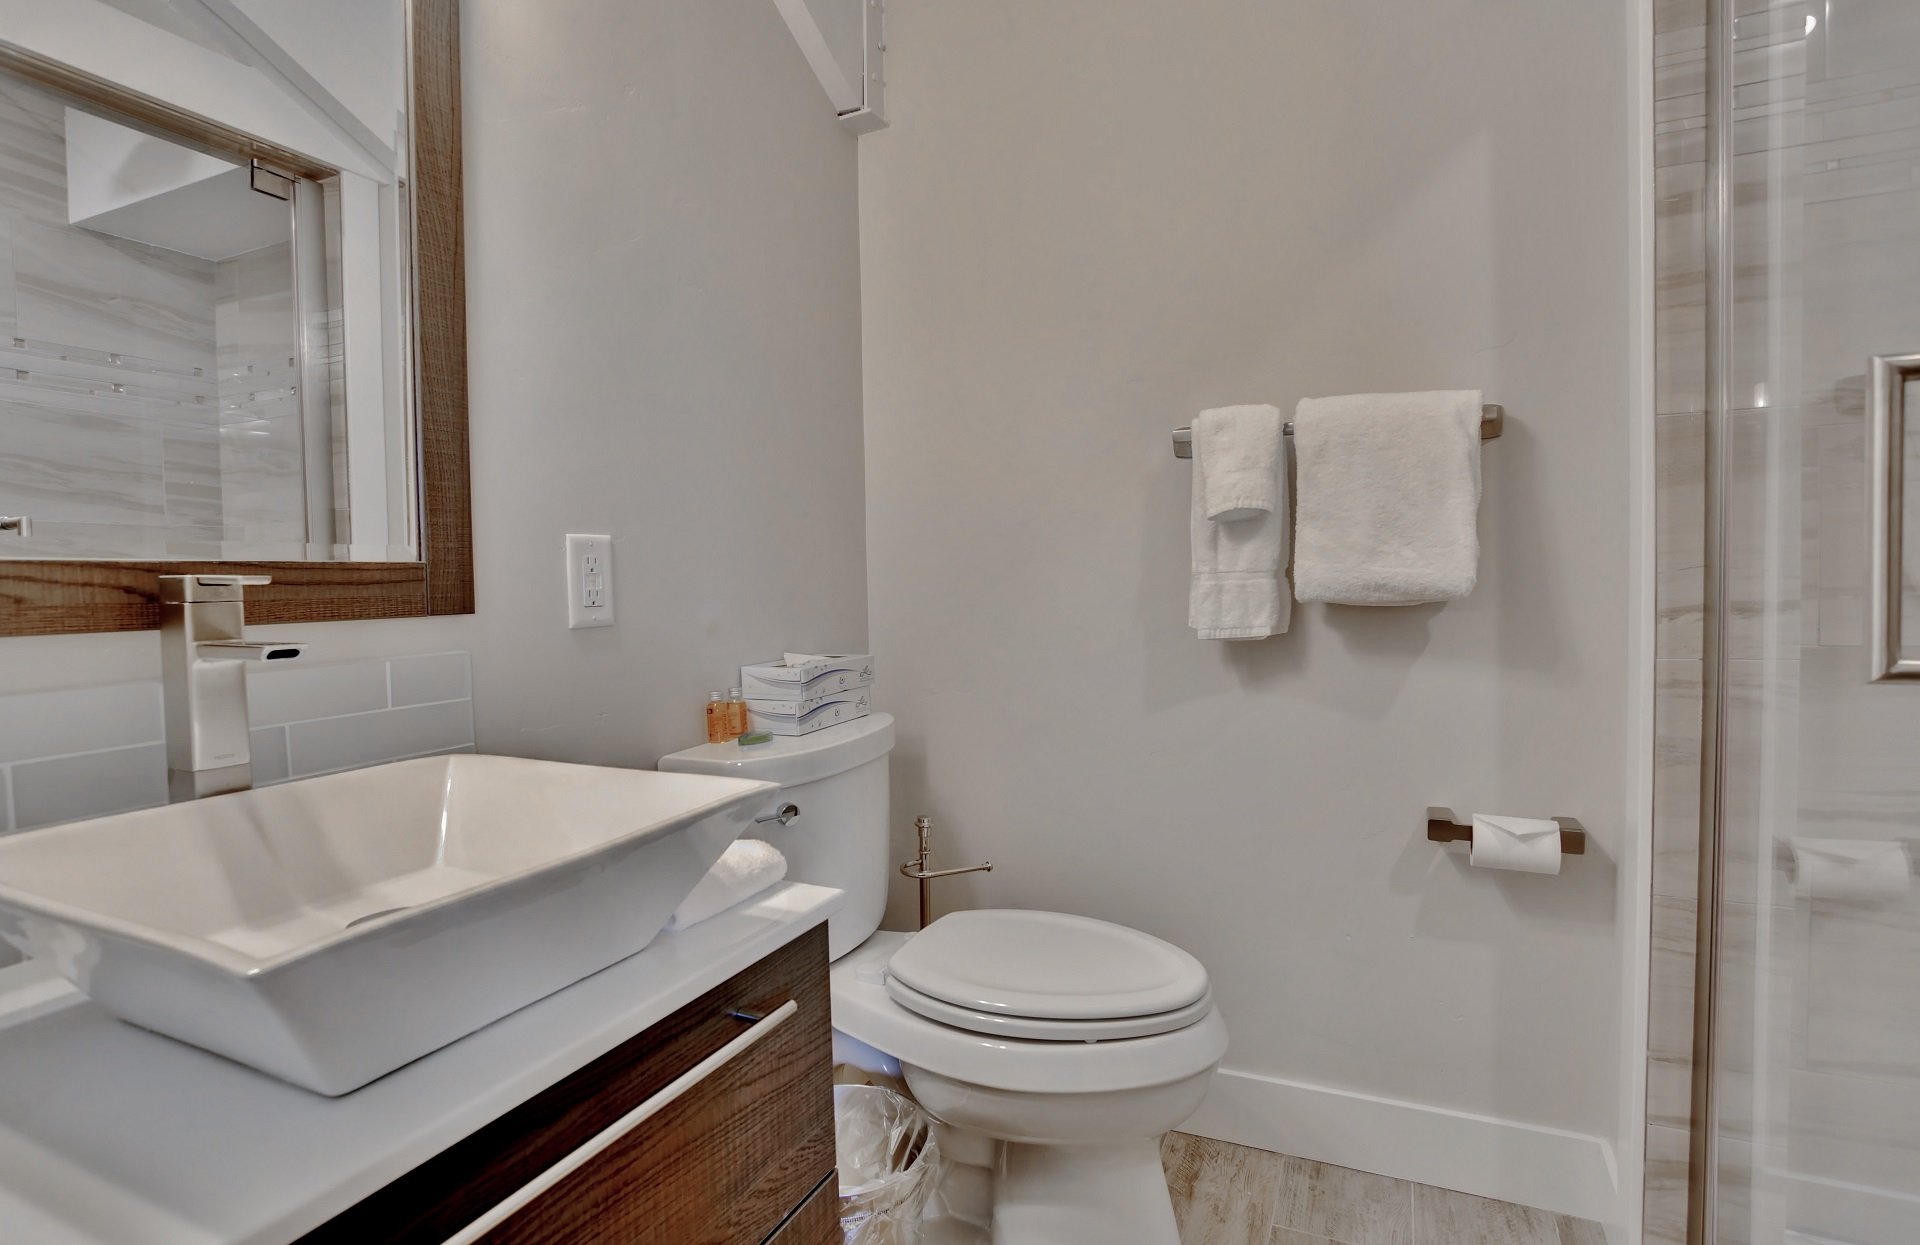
(1032, 1029)
(1047, 966)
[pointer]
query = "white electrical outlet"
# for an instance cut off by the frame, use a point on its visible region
(589, 580)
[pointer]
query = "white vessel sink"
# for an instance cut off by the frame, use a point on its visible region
(330, 930)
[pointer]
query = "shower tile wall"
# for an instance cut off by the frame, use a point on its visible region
(1680, 311)
(1820, 1041)
(1853, 1096)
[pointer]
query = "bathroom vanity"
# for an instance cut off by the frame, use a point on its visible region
(682, 1095)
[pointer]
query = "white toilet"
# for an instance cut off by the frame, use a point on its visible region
(1057, 1047)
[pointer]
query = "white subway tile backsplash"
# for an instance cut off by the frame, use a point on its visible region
(300, 692)
(269, 747)
(87, 752)
(84, 719)
(91, 784)
(365, 738)
(429, 680)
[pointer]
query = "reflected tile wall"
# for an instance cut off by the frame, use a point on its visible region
(108, 424)
(262, 455)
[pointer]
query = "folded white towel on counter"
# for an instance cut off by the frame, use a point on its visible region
(1238, 589)
(1238, 460)
(1389, 497)
(746, 868)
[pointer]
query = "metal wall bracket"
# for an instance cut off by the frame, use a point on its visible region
(271, 182)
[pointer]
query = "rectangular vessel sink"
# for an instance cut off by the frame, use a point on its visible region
(330, 930)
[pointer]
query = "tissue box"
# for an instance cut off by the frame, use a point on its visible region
(844, 707)
(798, 677)
(779, 707)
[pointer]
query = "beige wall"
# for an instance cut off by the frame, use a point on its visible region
(663, 300)
(1090, 220)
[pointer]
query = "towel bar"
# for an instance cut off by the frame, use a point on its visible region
(1442, 828)
(1492, 420)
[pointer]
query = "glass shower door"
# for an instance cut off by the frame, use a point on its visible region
(1814, 978)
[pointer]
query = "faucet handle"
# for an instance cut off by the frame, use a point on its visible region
(182, 589)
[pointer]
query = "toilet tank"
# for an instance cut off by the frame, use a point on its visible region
(838, 778)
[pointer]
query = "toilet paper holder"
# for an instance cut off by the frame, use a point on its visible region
(1789, 864)
(1442, 827)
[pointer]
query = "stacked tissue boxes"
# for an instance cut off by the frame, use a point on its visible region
(802, 693)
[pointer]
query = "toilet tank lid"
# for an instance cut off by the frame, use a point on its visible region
(788, 760)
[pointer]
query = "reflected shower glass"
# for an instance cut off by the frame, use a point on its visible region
(1816, 1040)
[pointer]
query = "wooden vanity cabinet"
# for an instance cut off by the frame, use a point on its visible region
(727, 1107)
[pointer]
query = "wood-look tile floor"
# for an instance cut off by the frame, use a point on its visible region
(1225, 1194)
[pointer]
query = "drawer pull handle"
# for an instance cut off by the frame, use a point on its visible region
(674, 1090)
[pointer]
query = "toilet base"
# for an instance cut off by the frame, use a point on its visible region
(1082, 1195)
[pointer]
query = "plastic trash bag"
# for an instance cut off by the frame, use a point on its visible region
(889, 1165)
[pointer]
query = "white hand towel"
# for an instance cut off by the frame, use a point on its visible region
(746, 868)
(1389, 499)
(1238, 589)
(1238, 455)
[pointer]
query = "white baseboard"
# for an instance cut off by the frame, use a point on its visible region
(1567, 1173)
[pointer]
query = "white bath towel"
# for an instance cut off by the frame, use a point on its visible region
(746, 868)
(1238, 589)
(1238, 456)
(1389, 497)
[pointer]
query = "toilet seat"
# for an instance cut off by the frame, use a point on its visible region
(1041, 1029)
(866, 1012)
(1046, 966)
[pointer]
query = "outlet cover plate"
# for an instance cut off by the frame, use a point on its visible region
(589, 580)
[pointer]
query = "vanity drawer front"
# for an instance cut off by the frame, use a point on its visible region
(817, 1222)
(744, 1135)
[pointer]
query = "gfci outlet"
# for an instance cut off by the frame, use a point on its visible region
(589, 580)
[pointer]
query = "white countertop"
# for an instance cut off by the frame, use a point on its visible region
(111, 1134)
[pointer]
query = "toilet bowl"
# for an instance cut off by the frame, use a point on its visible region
(1074, 1125)
(1055, 1048)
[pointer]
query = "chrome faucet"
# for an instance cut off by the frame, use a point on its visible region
(203, 676)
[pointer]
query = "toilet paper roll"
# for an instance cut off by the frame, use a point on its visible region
(1526, 844)
(1857, 870)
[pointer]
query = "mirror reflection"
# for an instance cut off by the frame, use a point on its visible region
(203, 357)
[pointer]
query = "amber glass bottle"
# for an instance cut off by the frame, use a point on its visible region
(719, 719)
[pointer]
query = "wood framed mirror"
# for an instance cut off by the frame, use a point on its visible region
(420, 560)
